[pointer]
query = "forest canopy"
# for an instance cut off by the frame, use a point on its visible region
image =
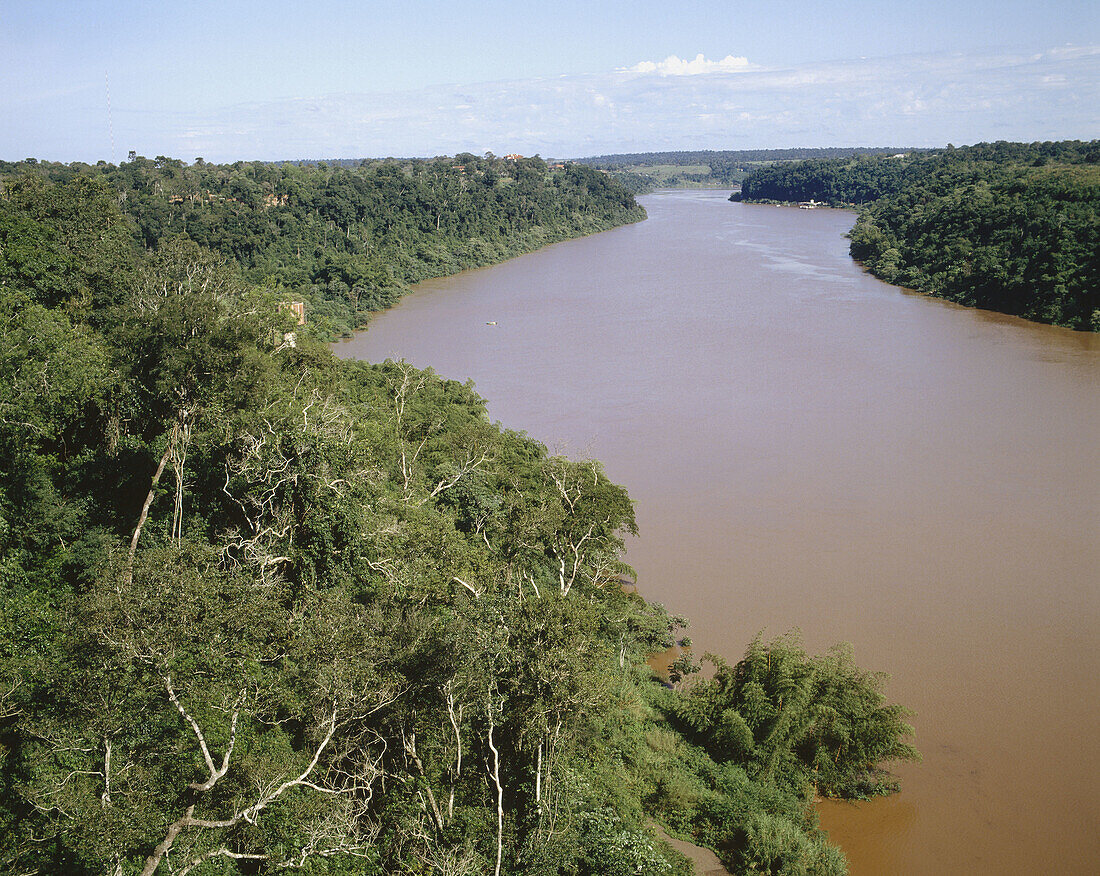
(263, 609)
(346, 240)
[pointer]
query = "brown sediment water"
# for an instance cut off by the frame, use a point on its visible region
(809, 447)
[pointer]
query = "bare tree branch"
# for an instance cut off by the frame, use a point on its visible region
(215, 772)
(353, 788)
(223, 852)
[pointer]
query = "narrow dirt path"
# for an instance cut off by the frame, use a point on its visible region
(705, 861)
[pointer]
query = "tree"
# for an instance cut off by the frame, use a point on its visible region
(817, 723)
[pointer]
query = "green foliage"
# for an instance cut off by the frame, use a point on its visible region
(798, 721)
(64, 243)
(611, 848)
(1010, 227)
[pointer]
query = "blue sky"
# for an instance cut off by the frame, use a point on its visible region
(239, 80)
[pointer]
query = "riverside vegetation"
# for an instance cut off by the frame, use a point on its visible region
(266, 610)
(1012, 227)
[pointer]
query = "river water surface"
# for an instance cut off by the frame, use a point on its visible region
(809, 447)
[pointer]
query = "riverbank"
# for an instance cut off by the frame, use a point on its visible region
(466, 255)
(1010, 227)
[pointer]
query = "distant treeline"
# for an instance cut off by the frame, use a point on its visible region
(1012, 227)
(348, 240)
(723, 156)
(644, 171)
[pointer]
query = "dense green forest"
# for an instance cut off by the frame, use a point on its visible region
(643, 172)
(1012, 227)
(348, 240)
(263, 609)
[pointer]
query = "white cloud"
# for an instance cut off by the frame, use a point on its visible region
(674, 66)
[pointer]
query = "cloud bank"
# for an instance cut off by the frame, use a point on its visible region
(916, 100)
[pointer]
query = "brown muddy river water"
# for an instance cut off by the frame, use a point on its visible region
(808, 447)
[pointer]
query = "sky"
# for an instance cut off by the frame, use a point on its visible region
(85, 80)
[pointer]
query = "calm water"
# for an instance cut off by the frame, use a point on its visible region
(808, 447)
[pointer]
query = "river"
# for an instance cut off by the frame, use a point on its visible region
(809, 447)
